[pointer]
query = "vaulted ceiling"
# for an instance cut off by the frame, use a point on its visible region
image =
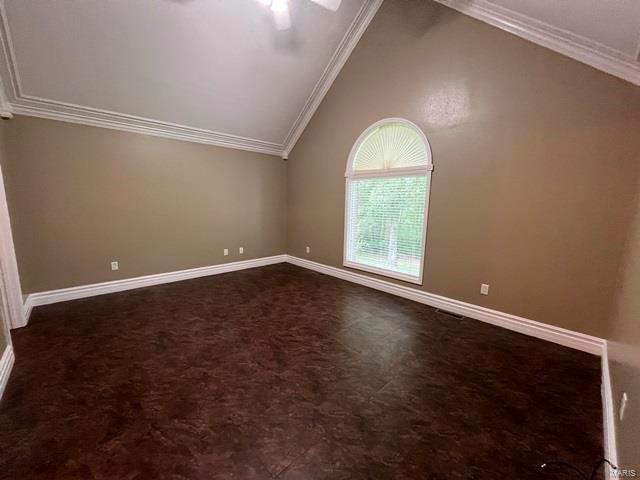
(220, 72)
(602, 33)
(216, 71)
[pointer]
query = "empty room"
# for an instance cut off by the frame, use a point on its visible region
(319, 239)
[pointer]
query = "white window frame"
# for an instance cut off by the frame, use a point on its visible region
(350, 175)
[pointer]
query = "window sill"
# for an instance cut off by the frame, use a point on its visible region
(384, 273)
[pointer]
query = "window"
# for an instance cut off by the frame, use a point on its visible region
(387, 197)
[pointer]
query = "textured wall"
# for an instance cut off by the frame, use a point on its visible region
(535, 158)
(81, 197)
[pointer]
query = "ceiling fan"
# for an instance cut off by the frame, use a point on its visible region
(280, 9)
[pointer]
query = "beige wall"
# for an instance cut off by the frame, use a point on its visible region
(537, 163)
(535, 158)
(624, 350)
(81, 197)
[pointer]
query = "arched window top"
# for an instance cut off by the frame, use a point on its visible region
(387, 185)
(390, 147)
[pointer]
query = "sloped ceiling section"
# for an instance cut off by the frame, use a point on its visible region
(602, 33)
(209, 71)
(219, 72)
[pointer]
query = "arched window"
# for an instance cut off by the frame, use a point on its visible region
(388, 180)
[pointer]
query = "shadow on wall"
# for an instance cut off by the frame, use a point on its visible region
(430, 18)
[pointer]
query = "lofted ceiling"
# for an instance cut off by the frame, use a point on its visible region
(602, 33)
(216, 71)
(220, 72)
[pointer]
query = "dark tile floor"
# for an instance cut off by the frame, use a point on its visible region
(283, 372)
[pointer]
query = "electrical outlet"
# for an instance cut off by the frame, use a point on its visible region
(308, 249)
(484, 289)
(114, 266)
(623, 405)
(226, 252)
(241, 250)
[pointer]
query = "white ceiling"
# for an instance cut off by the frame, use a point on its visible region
(602, 33)
(219, 72)
(614, 24)
(216, 65)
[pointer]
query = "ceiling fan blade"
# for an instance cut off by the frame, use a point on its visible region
(332, 5)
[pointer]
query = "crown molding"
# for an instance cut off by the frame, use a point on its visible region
(333, 68)
(559, 40)
(13, 99)
(66, 112)
(5, 106)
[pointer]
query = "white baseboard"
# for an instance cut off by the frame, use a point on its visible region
(561, 336)
(84, 291)
(568, 338)
(608, 414)
(6, 364)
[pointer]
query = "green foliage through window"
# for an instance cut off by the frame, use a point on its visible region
(386, 222)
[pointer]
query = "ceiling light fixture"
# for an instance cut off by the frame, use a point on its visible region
(280, 10)
(279, 5)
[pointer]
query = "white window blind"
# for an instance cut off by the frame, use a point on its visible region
(388, 180)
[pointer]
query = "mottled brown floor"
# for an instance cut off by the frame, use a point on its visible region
(283, 372)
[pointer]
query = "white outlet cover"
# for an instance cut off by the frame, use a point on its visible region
(484, 289)
(226, 252)
(241, 250)
(623, 405)
(308, 249)
(114, 266)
